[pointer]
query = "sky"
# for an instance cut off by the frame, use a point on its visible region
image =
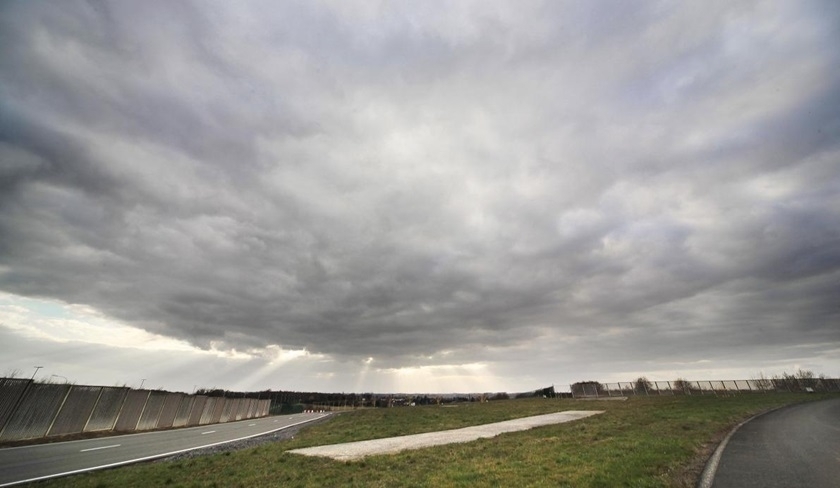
(418, 196)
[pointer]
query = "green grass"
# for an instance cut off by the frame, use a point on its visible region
(643, 442)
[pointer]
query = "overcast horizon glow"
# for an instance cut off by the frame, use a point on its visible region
(418, 197)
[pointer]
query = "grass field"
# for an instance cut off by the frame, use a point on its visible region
(656, 441)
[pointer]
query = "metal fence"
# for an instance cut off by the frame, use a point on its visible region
(30, 410)
(595, 389)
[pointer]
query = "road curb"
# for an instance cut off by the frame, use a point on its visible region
(708, 475)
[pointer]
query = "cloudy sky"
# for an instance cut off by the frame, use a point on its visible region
(418, 196)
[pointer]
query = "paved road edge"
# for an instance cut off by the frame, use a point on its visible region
(156, 456)
(709, 472)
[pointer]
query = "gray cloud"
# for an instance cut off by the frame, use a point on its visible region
(394, 182)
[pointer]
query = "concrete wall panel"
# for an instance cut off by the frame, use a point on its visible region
(35, 412)
(242, 412)
(252, 408)
(217, 412)
(151, 413)
(197, 410)
(107, 408)
(209, 407)
(227, 413)
(170, 409)
(76, 410)
(232, 409)
(182, 417)
(131, 410)
(11, 390)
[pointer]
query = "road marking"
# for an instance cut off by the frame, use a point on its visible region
(146, 458)
(208, 432)
(98, 448)
(251, 425)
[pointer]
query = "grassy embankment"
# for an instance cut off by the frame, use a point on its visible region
(659, 441)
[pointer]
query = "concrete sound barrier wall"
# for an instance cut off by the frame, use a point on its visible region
(242, 413)
(35, 412)
(217, 412)
(234, 409)
(184, 410)
(207, 412)
(228, 413)
(170, 409)
(131, 410)
(104, 415)
(151, 412)
(197, 410)
(76, 410)
(30, 410)
(11, 390)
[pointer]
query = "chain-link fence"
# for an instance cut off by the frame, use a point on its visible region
(641, 387)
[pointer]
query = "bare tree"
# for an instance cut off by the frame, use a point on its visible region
(642, 385)
(11, 373)
(762, 382)
(681, 385)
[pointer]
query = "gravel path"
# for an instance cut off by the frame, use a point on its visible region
(360, 449)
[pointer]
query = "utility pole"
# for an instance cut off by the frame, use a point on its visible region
(141, 383)
(36, 372)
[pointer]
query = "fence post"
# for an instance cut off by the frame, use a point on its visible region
(63, 401)
(140, 417)
(157, 420)
(122, 405)
(93, 409)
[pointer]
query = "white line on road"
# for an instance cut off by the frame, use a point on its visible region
(208, 432)
(98, 448)
(153, 456)
(251, 425)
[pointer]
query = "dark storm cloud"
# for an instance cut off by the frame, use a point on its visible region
(398, 183)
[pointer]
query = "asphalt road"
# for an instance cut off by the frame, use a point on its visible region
(792, 447)
(29, 463)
